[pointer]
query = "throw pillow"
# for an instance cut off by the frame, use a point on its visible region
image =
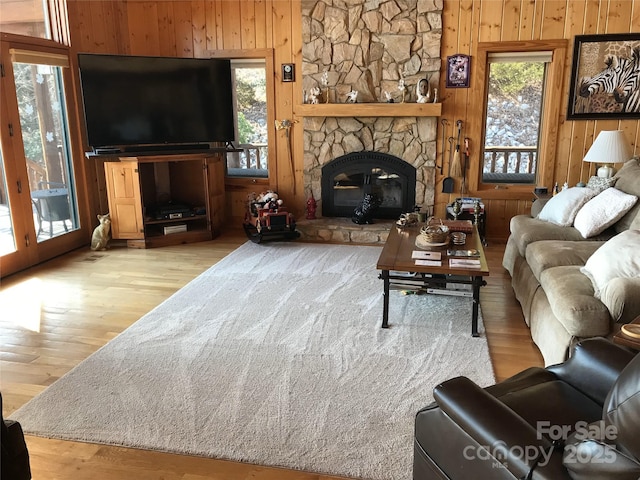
(602, 211)
(562, 208)
(617, 258)
(600, 184)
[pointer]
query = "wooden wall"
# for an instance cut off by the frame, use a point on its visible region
(467, 22)
(199, 28)
(193, 28)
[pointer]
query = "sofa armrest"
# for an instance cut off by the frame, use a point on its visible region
(537, 206)
(491, 424)
(593, 367)
(622, 297)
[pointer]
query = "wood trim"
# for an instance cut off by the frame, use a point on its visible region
(368, 110)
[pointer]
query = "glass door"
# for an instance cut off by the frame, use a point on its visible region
(39, 215)
(7, 233)
(43, 123)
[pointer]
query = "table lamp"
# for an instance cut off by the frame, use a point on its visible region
(610, 146)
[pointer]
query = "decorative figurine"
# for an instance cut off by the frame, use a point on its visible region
(402, 86)
(311, 207)
(352, 96)
(435, 95)
(314, 95)
(325, 84)
(388, 97)
(364, 212)
(423, 91)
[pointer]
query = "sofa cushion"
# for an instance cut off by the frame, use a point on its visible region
(616, 258)
(526, 230)
(562, 209)
(555, 253)
(628, 181)
(571, 298)
(602, 211)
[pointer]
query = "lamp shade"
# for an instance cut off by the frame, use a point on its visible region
(610, 146)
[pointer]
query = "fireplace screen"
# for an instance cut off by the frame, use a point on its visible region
(347, 179)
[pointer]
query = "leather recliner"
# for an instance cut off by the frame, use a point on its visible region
(14, 457)
(576, 420)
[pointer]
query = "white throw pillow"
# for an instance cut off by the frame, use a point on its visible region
(562, 208)
(617, 258)
(602, 211)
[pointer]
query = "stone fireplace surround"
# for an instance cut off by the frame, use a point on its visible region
(369, 45)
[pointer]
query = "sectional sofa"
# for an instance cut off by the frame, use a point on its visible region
(575, 280)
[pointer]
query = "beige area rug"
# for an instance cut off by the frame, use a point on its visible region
(273, 356)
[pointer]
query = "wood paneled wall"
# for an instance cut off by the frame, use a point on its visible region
(196, 28)
(468, 22)
(192, 28)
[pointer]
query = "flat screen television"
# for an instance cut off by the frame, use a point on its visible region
(137, 103)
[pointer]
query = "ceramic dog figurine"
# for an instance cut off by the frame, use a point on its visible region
(102, 233)
(364, 213)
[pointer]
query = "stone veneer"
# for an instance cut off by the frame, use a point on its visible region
(368, 46)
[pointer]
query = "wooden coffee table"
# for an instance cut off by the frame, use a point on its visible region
(399, 270)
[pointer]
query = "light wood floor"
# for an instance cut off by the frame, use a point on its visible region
(55, 315)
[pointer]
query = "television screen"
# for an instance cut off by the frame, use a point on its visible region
(131, 100)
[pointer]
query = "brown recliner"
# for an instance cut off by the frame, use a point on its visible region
(576, 420)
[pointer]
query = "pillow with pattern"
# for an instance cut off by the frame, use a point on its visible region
(600, 184)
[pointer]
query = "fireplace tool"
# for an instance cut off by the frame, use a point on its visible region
(447, 183)
(457, 162)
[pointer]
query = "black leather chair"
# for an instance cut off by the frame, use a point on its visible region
(576, 420)
(14, 459)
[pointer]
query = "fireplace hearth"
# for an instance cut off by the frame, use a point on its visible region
(348, 178)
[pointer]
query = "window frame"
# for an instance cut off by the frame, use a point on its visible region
(265, 54)
(550, 116)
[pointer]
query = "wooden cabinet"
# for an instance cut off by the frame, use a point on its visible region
(158, 200)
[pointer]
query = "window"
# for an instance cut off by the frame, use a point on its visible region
(35, 18)
(519, 106)
(250, 111)
(513, 117)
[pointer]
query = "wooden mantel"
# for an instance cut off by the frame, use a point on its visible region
(368, 110)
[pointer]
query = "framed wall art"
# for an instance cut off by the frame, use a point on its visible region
(605, 77)
(458, 71)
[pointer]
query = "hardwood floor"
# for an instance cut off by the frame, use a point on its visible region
(56, 314)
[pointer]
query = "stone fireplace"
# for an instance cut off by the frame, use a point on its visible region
(370, 46)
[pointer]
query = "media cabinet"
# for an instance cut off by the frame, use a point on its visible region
(167, 199)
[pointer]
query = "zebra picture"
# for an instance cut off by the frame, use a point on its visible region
(605, 77)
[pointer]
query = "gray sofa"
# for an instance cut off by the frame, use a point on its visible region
(558, 300)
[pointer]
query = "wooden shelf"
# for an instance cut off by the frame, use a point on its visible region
(368, 110)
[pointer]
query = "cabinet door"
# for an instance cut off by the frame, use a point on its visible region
(125, 203)
(216, 191)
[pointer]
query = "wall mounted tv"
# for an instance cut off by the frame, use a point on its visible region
(142, 103)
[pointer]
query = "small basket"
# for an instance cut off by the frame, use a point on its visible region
(435, 232)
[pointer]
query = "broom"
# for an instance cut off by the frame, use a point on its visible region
(456, 165)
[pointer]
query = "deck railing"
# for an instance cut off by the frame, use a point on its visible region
(249, 156)
(509, 165)
(500, 159)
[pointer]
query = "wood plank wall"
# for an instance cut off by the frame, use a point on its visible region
(467, 22)
(191, 28)
(194, 29)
